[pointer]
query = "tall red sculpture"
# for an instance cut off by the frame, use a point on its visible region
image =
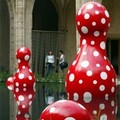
(91, 74)
(22, 83)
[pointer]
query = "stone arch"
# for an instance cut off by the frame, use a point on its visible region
(45, 16)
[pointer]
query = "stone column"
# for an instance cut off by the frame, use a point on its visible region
(20, 23)
(78, 5)
(20, 12)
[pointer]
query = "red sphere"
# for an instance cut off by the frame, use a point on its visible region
(65, 110)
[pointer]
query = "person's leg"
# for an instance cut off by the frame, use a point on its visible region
(47, 71)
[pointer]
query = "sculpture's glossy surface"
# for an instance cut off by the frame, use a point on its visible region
(65, 110)
(91, 74)
(101, 109)
(22, 83)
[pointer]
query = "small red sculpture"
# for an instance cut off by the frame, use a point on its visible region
(91, 74)
(65, 110)
(22, 83)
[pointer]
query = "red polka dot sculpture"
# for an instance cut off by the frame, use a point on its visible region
(22, 83)
(91, 74)
(101, 109)
(65, 110)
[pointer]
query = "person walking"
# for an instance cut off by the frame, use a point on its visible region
(62, 61)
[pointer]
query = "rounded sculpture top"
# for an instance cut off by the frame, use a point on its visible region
(93, 19)
(65, 110)
(23, 53)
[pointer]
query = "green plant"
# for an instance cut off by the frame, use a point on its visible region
(4, 76)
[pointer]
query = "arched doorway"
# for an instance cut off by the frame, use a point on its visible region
(45, 16)
(4, 36)
(45, 35)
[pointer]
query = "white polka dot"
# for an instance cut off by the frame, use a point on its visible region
(113, 80)
(84, 29)
(103, 117)
(102, 87)
(102, 106)
(97, 65)
(78, 23)
(96, 53)
(106, 13)
(10, 79)
(102, 45)
(89, 6)
(26, 116)
(94, 112)
(96, 12)
(19, 60)
(71, 77)
(107, 67)
(104, 33)
(80, 81)
(30, 102)
(24, 85)
(23, 106)
(85, 64)
(18, 71)
(19, 113)
(30, 96)
(86, 16)
(93, 23)
(99, 5)
(22, 49)
(106, 96)
(112, 103)
(103, 75)
(105, 57)
(10, 87)
(17, 89)
(52, 109)
(84, 42)
(113, 112)
(27, 57)
(87, 97)
(89, 73)
(30, 77)
(23, 67)
(21, 76)
(69, 118)
(30, 70)
(92, 42)
(112, 89)
(24, 89)
(21, 98)
(103, 20)
(96, 33)
(17, 84)
(108, 24)
(75, 96)
(95, 82)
